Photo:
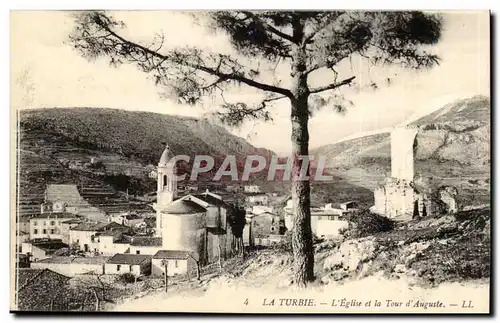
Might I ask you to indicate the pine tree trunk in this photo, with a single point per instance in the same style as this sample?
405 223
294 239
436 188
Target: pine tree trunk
301 233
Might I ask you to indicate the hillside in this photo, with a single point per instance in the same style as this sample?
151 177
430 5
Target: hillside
111 149
453 146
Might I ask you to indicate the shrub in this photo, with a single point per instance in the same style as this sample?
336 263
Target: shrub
285 244
127 278
366 223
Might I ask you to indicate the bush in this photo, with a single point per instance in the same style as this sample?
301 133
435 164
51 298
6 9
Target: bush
366 223
127 278
285 244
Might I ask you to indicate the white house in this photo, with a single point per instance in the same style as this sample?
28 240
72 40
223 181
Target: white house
326 221
137 265
41 248
145 245
178 263
257 198
127 219
112 242
49 225
251 189
153 174
86 236
72 266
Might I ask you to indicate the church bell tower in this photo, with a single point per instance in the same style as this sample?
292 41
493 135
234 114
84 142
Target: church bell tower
167 185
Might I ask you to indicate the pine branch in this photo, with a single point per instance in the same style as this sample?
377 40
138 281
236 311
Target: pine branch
269 27
180 59
332 85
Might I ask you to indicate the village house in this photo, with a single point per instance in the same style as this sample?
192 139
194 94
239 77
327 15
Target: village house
192 188
67 226
145 245
263 226
65 195
49 225
153 174
72 266
327 221
39 249
178 263
22 230
138 265
233 188
257 199
251 189
23 223
86 238
113 241
127 219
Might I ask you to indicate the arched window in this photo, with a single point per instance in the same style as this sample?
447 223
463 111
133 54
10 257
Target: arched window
165 180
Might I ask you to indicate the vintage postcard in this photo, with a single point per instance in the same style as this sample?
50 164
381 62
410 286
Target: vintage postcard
251 161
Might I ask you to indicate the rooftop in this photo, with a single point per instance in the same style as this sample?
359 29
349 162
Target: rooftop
184 207
54 215
71 221
210 199
27 276
75 260
172 254
147 241
90 226
129 259
48 245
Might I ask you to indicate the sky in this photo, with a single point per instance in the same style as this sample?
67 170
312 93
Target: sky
47 72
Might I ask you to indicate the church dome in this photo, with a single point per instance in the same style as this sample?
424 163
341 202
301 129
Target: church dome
183 207
166 156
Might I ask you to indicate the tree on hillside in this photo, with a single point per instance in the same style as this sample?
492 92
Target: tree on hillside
303 42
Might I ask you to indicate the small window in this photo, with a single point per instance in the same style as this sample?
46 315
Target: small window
137 252
118 267
34 223
35 231
176 264
44 222
44 231
52 222
52 231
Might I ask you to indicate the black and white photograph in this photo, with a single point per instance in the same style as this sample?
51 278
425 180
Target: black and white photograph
250 161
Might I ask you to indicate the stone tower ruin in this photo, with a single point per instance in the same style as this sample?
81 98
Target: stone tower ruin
403 146
397 198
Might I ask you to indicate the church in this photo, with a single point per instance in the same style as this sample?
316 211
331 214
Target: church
197 223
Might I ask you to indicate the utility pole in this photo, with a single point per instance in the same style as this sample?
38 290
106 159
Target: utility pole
165 264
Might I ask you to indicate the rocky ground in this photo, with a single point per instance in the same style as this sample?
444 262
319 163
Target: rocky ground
445 257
